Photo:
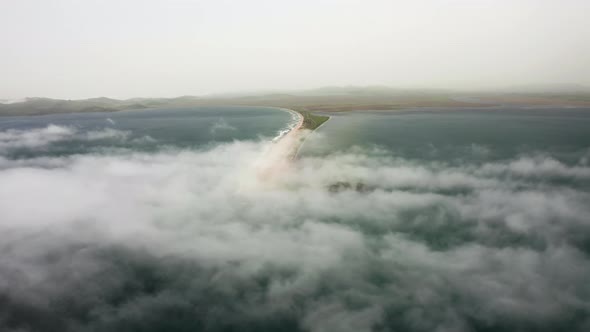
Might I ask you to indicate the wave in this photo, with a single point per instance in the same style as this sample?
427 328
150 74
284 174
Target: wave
295 119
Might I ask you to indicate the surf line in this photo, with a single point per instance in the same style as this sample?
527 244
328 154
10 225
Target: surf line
292 127
284 149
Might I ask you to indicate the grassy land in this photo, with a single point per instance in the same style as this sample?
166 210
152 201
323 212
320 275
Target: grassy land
312 121
321 100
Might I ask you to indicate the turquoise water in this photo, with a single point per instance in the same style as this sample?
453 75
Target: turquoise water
421 220
146 130
457 136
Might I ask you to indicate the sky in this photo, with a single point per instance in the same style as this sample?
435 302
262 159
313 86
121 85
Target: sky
155 48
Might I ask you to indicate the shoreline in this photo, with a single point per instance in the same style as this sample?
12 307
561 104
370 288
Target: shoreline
330 109
286 146
303 142
292 139
295 138
293 128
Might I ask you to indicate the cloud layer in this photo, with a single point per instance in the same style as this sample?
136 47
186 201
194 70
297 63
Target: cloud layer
191 240
39 138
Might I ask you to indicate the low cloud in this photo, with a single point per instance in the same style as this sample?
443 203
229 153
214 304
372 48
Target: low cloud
38 138
198 240
541 167
221 125
17 138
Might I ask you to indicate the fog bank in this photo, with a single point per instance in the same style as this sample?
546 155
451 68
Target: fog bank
356 241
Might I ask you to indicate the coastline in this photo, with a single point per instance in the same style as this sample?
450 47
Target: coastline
303 142
296 126
292 141
284 148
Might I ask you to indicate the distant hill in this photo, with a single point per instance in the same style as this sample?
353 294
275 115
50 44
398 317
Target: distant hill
548 89
331 99
37 106
40 106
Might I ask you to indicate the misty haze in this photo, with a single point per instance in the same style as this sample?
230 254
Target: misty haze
294 165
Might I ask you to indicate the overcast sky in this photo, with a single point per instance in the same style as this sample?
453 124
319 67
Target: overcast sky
149 48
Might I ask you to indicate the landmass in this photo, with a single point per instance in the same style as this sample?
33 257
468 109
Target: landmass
329 99
312 121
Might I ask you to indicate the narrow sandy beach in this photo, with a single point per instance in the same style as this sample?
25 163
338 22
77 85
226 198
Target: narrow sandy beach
294 138
283 151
